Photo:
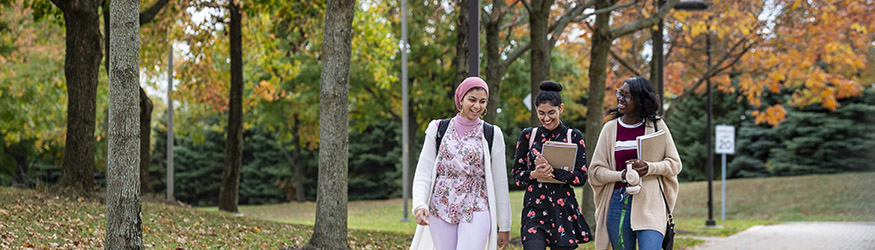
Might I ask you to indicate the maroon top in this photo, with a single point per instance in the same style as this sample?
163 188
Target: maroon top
626 147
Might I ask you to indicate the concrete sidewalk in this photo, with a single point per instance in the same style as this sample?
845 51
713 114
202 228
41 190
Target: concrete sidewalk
799 235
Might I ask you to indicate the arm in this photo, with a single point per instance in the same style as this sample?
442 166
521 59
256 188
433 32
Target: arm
521 172
499 177
601 172
422 181
577 176
671 165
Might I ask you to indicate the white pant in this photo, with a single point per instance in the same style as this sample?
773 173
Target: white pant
462 236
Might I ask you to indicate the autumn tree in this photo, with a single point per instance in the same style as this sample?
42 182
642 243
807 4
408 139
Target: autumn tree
124 222
602 37
31 52
331 213
82 63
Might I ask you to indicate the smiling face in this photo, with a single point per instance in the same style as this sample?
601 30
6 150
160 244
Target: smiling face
548 114
474 103
625 103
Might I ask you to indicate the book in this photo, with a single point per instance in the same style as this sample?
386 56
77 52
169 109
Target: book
560 155
651 147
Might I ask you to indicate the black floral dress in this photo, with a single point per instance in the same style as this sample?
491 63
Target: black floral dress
550 211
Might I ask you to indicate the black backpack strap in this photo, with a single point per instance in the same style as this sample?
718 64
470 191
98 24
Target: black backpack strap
442 129
488 133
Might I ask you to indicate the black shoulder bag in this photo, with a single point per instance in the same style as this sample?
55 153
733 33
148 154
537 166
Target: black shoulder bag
668 240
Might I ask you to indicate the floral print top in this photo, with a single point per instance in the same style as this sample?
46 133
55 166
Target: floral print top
460 185
550 211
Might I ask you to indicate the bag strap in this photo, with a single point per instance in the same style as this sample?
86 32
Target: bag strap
568 135
488 132
670 218
442 129
532 137
655 127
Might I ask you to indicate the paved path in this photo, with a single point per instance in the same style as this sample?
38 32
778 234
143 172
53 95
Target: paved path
800 235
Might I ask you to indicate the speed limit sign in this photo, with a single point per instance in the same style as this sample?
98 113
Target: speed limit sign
725 139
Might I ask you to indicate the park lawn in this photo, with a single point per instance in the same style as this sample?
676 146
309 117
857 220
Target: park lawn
40 220
37 219
755 201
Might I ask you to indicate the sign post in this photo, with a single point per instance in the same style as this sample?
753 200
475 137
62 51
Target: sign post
725 144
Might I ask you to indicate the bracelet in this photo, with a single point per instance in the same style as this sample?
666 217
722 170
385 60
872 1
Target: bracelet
623 176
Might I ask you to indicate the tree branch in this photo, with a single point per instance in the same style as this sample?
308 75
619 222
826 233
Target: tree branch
61 4
638 25
560 24
711 72
150 13
528 7
624 63
516 22
515 54
610 9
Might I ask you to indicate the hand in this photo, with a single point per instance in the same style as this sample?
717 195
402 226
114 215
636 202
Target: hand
542 167
503 239
421 216
639 166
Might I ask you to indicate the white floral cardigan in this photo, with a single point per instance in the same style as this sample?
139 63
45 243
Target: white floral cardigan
496 187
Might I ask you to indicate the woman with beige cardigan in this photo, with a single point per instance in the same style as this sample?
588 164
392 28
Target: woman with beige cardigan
627 191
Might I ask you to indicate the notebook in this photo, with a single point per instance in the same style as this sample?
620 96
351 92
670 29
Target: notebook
560 155
651 147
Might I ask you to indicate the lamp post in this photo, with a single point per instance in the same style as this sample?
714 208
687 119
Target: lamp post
405 117
691 5
473 37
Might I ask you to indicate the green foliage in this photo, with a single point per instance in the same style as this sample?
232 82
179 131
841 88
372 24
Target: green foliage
815 140
266 175
32 86
374 162
688 126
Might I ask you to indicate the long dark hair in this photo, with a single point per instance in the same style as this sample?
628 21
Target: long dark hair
549 93
646 100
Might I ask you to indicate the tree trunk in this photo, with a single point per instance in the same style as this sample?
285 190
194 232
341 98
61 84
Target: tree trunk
145 103
123 215
81 65
330 230
297 167
234 141
461 59
539 20
494 67
145 139
601 45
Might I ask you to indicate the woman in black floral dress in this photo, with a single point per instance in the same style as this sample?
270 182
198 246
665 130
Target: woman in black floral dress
550 216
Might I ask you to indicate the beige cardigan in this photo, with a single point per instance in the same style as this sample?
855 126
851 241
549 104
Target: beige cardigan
496 187
648 208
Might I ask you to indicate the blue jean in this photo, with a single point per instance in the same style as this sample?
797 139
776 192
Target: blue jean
647 239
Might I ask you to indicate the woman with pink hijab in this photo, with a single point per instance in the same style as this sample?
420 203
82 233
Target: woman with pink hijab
460 192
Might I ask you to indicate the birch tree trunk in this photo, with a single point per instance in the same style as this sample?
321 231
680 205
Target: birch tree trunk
123 221
330 230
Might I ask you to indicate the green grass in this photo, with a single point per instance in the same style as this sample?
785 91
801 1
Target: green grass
762 201
41 220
